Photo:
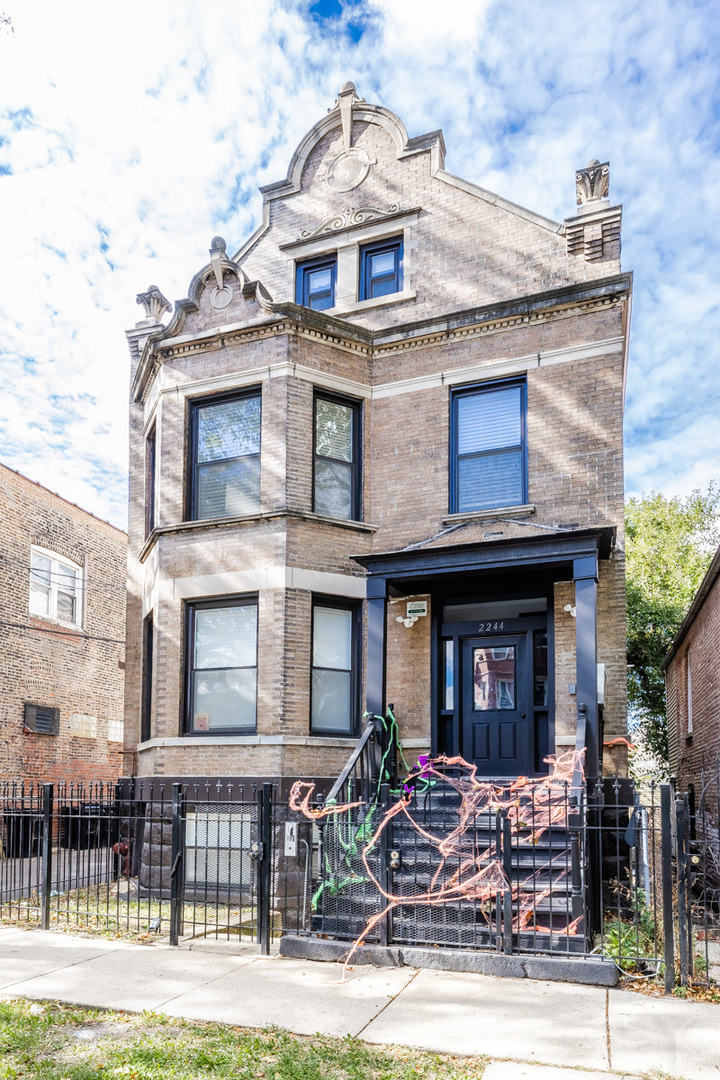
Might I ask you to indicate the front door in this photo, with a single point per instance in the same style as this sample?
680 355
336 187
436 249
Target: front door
496 705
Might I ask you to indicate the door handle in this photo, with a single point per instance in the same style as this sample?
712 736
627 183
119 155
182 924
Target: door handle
522 715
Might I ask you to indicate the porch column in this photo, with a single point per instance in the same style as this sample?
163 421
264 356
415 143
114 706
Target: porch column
375 671
585 573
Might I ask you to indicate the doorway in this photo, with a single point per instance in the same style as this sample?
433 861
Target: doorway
495 684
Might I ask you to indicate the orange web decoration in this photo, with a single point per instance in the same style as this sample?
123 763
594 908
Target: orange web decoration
466 870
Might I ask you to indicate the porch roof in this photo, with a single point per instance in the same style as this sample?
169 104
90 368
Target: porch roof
554 554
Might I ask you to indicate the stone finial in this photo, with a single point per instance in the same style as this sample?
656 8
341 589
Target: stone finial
221 295
593 182
154 302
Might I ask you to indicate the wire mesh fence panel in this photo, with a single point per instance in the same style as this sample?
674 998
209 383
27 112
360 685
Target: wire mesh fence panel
630 829
703 877
345 900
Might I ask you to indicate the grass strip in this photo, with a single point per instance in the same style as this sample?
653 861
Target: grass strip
49 1041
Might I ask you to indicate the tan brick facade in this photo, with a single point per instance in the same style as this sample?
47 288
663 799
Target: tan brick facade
75 668
490 292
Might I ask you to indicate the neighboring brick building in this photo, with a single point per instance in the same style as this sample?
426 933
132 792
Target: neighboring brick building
403 389
692 681
63 628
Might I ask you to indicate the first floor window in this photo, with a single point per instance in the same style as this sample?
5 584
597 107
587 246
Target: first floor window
381 269
488 447
147 677
334 690
337 458
225 452
55 587
222 666
315 283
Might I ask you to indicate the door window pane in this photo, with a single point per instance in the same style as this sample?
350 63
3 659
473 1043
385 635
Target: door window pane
494 679
449 688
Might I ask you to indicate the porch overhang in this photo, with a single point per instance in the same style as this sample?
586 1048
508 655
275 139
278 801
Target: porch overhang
420 568
560 556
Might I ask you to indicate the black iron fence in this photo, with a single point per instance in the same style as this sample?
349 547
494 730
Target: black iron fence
627 872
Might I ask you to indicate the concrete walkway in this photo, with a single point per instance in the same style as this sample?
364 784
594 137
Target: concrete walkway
531 1030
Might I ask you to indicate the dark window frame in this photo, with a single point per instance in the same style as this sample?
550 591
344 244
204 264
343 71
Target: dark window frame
147 678
302 279
150 477
365 282
356 508
41 719
191 607
193 426
456 395
355 607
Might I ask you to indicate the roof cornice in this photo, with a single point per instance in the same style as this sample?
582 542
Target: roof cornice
295 320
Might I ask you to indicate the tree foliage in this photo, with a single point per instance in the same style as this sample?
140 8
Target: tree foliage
669 546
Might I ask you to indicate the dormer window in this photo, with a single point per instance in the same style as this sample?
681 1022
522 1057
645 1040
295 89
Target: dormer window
315 286
381 269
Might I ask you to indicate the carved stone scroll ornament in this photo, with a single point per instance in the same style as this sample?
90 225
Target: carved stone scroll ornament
350 167
154 303
593 182
352 215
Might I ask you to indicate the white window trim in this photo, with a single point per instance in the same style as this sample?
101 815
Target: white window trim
345 245
51 615
689 696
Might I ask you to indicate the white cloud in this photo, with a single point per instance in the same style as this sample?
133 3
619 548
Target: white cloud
132 134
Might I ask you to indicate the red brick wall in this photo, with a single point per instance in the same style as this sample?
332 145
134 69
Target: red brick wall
77 670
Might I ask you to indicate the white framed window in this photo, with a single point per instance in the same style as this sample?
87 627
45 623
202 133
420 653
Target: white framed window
56 587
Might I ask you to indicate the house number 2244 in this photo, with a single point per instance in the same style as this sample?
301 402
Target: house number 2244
486 627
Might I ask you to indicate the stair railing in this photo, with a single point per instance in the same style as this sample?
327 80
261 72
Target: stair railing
359 778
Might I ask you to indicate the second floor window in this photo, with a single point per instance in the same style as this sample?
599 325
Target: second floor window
488 468
55 587
225 451
315 284
150 463
381 269
337 458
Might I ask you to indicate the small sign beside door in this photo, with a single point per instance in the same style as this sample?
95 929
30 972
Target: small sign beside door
291 839
416 609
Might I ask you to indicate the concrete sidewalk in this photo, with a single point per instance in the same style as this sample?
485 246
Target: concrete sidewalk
546 1029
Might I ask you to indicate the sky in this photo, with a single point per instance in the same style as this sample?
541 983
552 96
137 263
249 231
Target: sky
131 134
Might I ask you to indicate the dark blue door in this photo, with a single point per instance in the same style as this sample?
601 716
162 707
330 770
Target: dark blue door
496 707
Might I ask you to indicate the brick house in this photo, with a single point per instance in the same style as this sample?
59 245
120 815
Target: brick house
63 629
693 699
376 456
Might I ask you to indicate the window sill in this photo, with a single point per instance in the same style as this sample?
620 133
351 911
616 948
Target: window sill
375 302
244 519
48 620
331 741
485 515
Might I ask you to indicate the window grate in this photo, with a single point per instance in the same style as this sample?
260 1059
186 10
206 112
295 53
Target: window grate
42 719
